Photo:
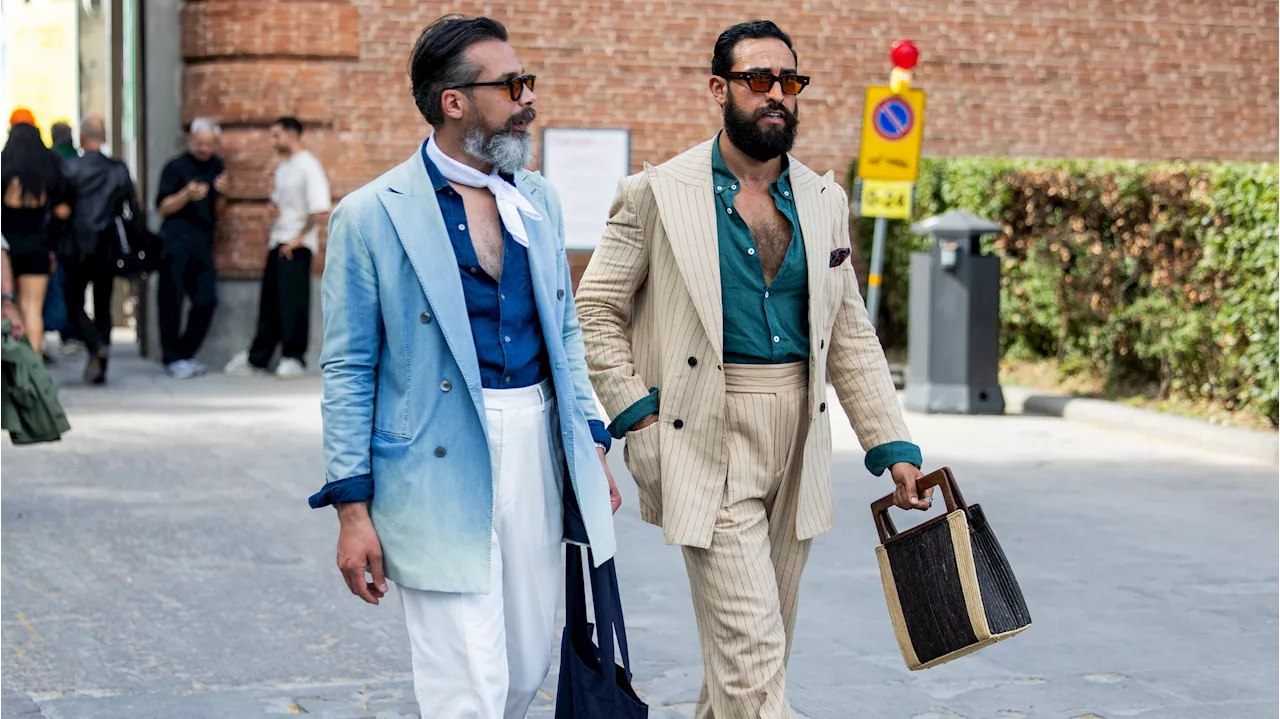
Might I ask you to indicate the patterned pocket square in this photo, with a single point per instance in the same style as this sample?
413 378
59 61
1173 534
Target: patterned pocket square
839 256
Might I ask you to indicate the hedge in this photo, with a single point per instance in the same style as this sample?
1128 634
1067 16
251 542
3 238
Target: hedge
1153 274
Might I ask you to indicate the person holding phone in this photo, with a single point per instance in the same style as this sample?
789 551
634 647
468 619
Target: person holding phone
190 198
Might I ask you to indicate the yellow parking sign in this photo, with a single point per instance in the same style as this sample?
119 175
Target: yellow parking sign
885 198
892 127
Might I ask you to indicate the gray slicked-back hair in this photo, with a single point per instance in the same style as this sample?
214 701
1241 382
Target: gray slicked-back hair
204 124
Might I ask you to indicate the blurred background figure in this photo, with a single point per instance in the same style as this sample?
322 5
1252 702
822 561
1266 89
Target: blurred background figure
56 317
190 198
34 190
103 189
300 198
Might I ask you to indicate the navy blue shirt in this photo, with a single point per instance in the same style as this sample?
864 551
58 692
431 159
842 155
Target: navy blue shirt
504 317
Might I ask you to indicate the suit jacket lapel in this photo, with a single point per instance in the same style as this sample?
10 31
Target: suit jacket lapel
813 207
685 197
411 203
543 247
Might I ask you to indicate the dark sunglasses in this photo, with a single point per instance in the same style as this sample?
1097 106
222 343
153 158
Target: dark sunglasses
515 86
762 82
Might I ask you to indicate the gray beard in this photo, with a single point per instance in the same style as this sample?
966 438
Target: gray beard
504 151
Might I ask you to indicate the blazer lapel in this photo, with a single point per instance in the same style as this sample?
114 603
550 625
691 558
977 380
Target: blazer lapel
683 190
410 201
542 250
813 207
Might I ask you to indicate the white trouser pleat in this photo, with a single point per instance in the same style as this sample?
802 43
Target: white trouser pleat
483 656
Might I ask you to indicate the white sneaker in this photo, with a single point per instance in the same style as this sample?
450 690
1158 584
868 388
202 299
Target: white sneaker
290 368
199 368
239 366
181 369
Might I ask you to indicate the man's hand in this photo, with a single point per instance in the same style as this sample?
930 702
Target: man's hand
358 548
905 477
220 184
615 499
645 421
196 190
17 330
286 250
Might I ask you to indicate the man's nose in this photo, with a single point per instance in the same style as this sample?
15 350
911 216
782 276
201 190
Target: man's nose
775 92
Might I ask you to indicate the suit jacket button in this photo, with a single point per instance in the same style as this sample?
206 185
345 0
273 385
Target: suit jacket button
560 294
693 361
822 407
440 451
678 424
425 317
445 386
822 344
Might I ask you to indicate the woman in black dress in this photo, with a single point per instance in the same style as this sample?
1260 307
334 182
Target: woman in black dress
34 190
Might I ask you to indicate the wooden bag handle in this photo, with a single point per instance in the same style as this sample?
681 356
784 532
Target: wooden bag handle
942 478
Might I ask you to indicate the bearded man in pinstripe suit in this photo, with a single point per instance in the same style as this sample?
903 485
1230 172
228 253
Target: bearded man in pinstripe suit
715 310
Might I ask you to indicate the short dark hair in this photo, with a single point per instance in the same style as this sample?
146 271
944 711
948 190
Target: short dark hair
722 58
288 122
437 62
60 133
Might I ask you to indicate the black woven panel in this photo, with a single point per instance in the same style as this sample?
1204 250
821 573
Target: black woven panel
928 583
1001 597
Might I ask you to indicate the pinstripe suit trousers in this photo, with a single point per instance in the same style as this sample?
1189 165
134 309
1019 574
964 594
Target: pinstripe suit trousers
746 584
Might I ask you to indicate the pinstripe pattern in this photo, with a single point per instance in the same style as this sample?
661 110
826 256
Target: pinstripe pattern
650 300
746 584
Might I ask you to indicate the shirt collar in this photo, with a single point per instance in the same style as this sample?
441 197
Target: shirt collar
726 181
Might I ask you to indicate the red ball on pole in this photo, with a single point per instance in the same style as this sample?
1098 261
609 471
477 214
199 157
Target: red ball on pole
904 54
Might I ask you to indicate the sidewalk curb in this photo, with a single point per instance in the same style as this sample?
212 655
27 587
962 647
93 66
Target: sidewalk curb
1253 445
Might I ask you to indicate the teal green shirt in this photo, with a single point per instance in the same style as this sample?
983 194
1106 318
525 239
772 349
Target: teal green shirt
764 323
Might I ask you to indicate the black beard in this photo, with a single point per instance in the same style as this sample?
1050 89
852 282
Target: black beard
762 145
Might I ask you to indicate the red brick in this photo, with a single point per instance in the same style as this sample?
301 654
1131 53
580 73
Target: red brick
1140 79
316 28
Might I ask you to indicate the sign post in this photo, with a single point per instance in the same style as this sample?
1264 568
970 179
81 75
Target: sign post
889 157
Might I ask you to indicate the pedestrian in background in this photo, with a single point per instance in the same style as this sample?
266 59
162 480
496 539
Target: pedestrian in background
190 197
56 317
34 190
103 193
300 198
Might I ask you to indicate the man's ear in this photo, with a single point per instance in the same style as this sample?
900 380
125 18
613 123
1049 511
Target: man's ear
719 89
453 102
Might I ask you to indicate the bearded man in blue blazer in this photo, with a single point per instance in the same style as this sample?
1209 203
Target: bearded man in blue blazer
462 440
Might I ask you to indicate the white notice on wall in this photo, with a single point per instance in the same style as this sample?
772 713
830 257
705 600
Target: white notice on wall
585 166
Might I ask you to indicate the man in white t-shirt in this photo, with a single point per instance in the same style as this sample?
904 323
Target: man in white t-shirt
301 198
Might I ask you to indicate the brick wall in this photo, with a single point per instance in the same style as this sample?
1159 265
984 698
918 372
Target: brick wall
1145 79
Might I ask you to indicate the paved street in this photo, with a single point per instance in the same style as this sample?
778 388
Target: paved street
161 562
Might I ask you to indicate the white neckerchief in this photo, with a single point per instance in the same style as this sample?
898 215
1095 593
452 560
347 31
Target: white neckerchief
510 202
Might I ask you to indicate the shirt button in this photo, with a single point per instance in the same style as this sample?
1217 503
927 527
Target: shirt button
506 379
733 187
502 297
506 339
425 317
751 250
786 193
719 188
472 270
777 338
766 295
462 227
440 451
729 210
445 386
560 294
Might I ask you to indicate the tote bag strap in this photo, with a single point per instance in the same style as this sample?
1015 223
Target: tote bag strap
609 621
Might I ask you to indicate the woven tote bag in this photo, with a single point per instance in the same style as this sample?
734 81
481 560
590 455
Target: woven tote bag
947 582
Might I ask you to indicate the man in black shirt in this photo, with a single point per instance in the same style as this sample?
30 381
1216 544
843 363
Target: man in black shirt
190 199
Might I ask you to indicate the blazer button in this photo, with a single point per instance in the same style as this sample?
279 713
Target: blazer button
445 386
822 344
560 294
678 424
425 317
822 407
693 361
440 451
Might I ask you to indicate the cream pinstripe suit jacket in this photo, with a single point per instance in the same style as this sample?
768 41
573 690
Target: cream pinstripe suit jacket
650 300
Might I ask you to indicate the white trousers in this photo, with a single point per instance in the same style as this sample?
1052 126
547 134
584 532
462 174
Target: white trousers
483 656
